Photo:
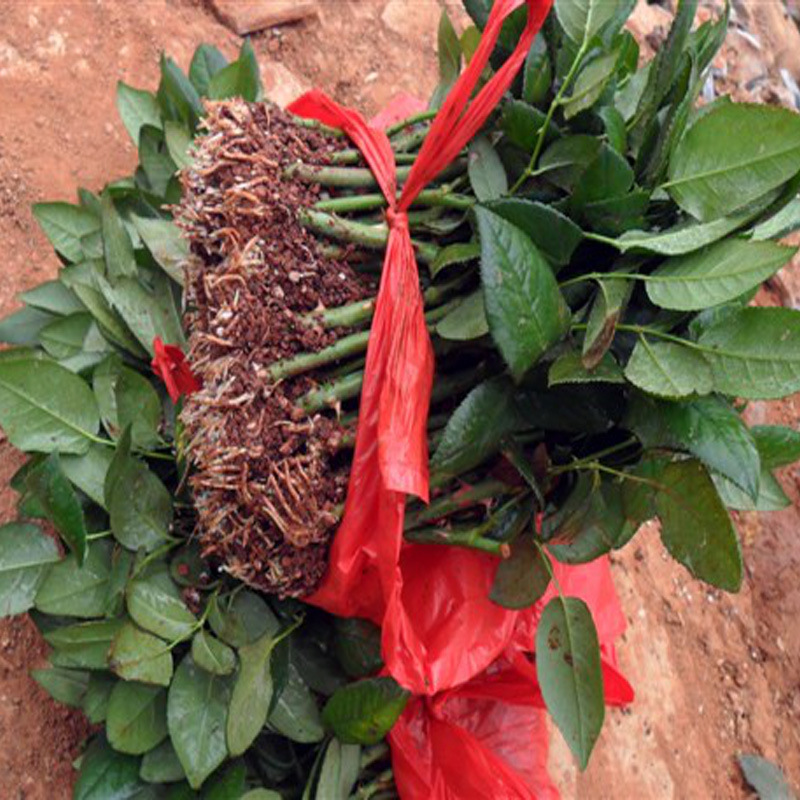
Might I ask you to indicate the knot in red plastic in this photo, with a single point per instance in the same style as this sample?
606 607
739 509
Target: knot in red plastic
396 219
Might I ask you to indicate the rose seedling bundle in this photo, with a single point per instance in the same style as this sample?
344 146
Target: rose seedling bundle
208 549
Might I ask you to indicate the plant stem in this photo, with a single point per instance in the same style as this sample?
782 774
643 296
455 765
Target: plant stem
455 501
471 538
346 157
602 276
414 119
329 394
608 451
338 177
370 202
573 70
373 237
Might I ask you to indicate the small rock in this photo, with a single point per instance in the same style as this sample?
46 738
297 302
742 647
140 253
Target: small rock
249 17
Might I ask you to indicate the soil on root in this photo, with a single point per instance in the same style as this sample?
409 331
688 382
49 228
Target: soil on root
266 477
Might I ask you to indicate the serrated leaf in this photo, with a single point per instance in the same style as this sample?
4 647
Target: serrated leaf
590 84
695 527
582 20
26 553
163 239
159 610
137 108
197 711
364 712
524 307
487 175
161 765
77 591
570 675
44 407
523 577
73 231
49 485
477 427
668 369
715 275
139 656
733 155
755 353
84 645
570 368
521 124
708 428
136 720
537 74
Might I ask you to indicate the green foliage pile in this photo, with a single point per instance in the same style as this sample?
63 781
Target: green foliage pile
607 239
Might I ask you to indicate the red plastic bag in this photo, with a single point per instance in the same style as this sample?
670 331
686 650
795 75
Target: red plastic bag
457 632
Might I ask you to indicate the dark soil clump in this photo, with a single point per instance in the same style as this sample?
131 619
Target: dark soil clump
265 486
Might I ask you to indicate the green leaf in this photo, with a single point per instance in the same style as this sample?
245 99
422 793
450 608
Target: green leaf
159 610
26 553
261 794
88 471
570 368
459 253
242 619
24 326
139 656
176 95
252 695
777 445
733 155
615 130
786 221
95 701
567 158
70 336
708 428
340 770
466 321
524 308
771 496
239 79
765 778
364 712
125 397
358 646
294 713
44 407
67 686
523 578
570 676
73 231
179 140
137 717
606 179
610 303
715 275
117 245
487 175
107 775
521 124
687 237
84 645
582 20
477 427
590 84
206 63
162 765
212 655
163 239
695 527
668 369
554 234
155 159
53 297
54 493
449 50
139 505
137 108
537 75
71 590
755 353
197 711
